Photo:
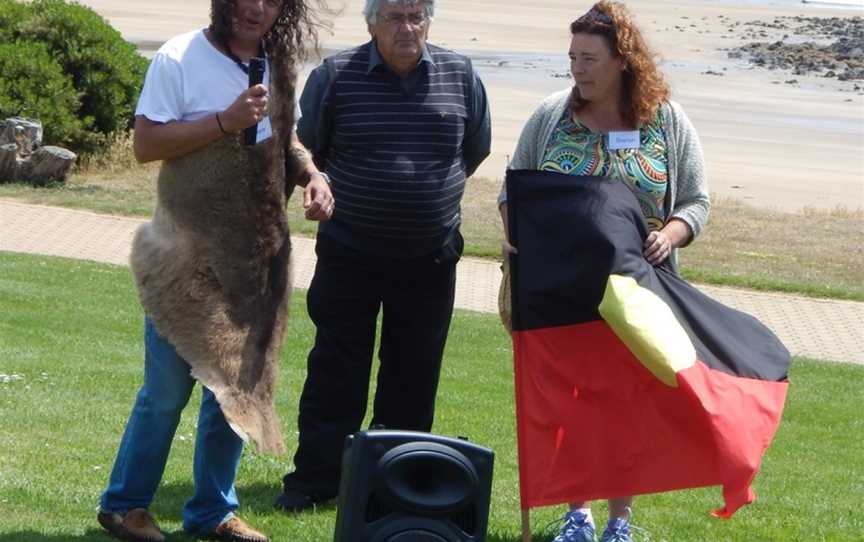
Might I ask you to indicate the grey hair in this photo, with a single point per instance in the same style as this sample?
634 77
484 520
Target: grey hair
370 10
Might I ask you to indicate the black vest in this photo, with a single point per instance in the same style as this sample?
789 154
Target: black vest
395 159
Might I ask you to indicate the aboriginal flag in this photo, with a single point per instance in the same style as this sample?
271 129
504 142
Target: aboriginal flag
628 380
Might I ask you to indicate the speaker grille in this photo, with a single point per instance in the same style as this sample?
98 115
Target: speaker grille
416 536
400 486
376 509
466 520
427 478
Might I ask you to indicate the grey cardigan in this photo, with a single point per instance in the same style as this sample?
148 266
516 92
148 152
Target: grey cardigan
687 190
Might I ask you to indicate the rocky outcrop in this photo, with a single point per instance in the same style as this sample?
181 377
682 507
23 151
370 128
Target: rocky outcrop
831 47
23 158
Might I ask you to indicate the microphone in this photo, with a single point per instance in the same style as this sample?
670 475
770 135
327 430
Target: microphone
256 76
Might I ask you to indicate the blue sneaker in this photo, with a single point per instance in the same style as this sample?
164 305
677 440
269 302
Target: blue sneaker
576 528
617 530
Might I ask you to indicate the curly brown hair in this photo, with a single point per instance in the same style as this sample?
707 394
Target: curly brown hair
295 30
644 87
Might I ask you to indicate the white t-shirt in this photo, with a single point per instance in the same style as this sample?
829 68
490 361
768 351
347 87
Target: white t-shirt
189 79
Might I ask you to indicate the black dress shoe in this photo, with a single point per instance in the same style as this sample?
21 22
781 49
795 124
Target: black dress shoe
294 500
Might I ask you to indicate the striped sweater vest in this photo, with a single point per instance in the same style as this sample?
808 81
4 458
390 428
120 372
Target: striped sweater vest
395 160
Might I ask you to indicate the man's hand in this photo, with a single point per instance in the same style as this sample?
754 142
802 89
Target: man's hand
318 199
247 110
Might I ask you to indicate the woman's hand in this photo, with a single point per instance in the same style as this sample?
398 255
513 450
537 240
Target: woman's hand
659 244
507 249
657 247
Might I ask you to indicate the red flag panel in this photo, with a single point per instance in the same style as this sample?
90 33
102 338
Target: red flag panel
594 423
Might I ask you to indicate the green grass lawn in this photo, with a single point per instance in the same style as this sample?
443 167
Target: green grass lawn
72 331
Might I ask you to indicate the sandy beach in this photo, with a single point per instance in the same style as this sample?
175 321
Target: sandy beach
771 137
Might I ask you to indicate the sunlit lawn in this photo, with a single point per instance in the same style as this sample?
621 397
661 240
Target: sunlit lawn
70 360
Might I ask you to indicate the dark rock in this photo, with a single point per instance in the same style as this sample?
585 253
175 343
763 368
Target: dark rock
46 165
857 52
851 74
8 162
22 158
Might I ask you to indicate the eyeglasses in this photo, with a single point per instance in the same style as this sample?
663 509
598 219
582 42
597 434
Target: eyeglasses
398 19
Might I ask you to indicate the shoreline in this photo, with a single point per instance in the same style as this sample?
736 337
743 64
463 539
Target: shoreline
771 138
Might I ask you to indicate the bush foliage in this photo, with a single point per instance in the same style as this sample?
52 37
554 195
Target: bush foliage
49 40
34 86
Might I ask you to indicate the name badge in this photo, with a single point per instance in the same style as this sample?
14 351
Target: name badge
265 129
623 140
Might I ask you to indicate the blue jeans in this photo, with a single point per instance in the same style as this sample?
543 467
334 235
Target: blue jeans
147 440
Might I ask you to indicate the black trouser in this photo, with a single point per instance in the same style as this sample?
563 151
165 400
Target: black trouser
346 293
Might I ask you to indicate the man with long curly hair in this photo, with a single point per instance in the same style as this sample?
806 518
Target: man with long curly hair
213 266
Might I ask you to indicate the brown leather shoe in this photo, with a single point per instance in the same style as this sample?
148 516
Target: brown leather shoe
136 526
236 530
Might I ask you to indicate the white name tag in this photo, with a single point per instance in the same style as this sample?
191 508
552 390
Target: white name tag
623 140
265 129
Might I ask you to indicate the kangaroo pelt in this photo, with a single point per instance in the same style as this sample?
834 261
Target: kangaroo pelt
213 272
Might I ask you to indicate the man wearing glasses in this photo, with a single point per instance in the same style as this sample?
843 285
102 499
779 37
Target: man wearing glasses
398 125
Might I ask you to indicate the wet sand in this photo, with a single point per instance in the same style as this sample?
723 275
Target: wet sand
771 138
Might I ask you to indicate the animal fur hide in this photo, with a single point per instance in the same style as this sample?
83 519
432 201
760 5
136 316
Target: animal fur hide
213 273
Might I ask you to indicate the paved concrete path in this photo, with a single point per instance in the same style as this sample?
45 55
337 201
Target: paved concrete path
817 328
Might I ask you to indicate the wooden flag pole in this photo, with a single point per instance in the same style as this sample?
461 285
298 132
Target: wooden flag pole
526 525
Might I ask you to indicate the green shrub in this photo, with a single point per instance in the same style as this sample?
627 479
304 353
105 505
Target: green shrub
33 85
104 69
11 13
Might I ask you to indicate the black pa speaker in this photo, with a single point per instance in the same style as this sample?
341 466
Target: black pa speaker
403 486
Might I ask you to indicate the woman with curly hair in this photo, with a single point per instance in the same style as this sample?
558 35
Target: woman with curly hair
213 266
617 121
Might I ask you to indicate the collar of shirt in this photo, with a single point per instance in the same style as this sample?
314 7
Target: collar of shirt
375 59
